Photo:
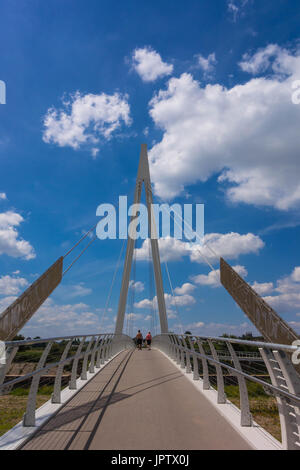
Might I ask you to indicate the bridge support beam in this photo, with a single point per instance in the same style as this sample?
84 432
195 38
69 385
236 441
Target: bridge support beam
143 176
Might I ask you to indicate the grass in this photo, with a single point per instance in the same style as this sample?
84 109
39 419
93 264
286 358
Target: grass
263 407
13 405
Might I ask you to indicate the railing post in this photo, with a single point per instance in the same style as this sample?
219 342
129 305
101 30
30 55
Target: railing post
100 359
29 416
206 383
4 368
292 380
85 359
287 416
56 397
182 364
246 418
173 348
196 365
188 367
105 347
73 380
110 347
220 378
92 363
177 351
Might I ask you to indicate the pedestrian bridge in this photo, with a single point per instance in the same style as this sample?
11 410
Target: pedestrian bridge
187 392
170 397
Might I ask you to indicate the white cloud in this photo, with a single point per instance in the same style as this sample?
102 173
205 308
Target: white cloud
263 288
178 300
3 196
6 301
74 290
236 7
149 65
86 120
146 303
228 245
295 276
10 244
247 135
52 319
94 152
138 286
284 302
212 279
207 64
133 316
171 315
186 288
12 285
286 294
270 57
170 249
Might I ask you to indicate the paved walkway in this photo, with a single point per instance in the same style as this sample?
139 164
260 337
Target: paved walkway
138 401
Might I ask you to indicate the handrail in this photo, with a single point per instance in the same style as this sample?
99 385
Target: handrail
99 349
283 347
285 381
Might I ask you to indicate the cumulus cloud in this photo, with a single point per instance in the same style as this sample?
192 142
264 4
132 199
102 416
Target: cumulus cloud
170 249
207 65
212 279
186 288
3 196
12 285
263 288
270 57
228 245
86 120
149 65
286 294
138 286
52 318
247 136
295 276
10 243
178 300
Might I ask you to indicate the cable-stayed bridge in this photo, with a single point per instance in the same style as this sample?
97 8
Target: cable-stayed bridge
187 392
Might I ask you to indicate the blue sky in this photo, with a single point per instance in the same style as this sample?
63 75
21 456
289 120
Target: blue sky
208 86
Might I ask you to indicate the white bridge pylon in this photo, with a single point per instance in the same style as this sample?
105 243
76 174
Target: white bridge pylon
143 176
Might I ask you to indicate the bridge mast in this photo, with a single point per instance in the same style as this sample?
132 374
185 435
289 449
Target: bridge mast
143 176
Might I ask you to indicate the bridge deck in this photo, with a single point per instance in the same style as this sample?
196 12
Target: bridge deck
140 400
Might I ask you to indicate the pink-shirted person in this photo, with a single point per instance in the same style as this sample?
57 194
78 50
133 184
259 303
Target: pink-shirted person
149 339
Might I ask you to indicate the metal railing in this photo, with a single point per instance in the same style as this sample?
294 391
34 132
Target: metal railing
80 354
199 354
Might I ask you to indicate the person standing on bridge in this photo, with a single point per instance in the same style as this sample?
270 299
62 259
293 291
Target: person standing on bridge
149 339
139 340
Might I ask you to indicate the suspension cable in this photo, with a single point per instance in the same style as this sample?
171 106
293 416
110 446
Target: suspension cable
112 284
153 313
197 247
81 239
176 306
80 254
